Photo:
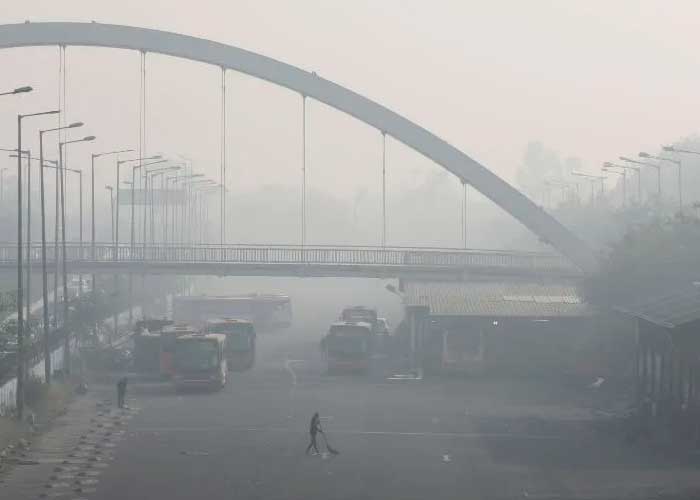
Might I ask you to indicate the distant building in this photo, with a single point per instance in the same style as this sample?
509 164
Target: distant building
517 327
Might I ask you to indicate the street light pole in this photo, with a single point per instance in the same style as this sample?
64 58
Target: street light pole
80 232
20 291
133 183
92 200
150 176
608 167
44 274
2 184
66 336
118 188
680 174
646 164
111 218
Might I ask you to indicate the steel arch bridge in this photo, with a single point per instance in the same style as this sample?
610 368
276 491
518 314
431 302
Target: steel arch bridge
311 85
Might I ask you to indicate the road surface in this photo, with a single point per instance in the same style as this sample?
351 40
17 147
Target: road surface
398 439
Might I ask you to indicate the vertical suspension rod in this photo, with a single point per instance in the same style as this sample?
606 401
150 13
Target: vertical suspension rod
303 170
383 189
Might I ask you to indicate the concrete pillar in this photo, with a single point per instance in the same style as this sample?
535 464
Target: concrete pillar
418 317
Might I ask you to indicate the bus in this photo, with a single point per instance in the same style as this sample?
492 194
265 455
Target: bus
148 352
265 311
240 341
347 346
199 360
168 336
360 313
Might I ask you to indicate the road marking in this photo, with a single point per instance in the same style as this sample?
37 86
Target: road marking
350 432
446 459
288 366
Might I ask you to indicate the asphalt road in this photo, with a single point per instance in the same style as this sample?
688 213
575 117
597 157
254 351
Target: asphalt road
398 439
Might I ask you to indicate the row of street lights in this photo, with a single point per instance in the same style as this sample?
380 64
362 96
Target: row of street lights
148 175
634 165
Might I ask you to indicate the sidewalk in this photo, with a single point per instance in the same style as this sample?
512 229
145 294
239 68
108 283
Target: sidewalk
66 460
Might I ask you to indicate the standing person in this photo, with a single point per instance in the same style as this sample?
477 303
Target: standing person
121 392
314 429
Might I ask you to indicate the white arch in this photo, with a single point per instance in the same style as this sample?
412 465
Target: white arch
311 85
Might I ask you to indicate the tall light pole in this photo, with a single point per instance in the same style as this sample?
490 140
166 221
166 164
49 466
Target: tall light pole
591 178
44 274
20 301
111 210
117 184
155 173
610 168
625 168
2 184
66 336
28 283
647 164
93 157
680 176
133 184
111 218
149 175
187 180
167 208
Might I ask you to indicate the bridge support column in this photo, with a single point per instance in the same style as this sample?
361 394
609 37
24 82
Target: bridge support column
418 326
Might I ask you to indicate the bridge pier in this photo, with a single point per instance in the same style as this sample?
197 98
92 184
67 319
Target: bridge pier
418 317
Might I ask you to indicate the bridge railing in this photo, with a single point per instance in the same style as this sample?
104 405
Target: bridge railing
291 254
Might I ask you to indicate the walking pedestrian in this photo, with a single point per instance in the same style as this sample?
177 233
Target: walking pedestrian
314 429
121 391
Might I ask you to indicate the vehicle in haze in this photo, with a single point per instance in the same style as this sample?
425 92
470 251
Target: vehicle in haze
149 355
168 336
347 346
382 327
360 314
240 341
199 361
265 311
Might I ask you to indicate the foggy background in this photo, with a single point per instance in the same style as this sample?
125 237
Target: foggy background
441 64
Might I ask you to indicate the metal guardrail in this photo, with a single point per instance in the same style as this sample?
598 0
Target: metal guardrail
280 254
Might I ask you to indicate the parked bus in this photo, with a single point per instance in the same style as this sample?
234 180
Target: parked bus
148 352
240 341
265 311
168 336
360 314
347 346
199 360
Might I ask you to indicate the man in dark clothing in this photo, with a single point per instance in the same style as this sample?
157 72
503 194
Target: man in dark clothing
314 429
121 392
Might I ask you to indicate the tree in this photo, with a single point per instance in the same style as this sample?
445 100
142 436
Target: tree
654 256
539 164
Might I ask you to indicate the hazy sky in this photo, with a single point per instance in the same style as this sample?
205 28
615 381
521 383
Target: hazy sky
592 79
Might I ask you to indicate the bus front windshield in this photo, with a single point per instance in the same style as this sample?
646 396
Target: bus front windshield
238 337
196 355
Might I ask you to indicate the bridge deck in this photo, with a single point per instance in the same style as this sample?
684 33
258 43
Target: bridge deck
278 260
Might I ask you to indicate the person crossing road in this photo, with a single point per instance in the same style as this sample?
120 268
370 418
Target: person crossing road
314 429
